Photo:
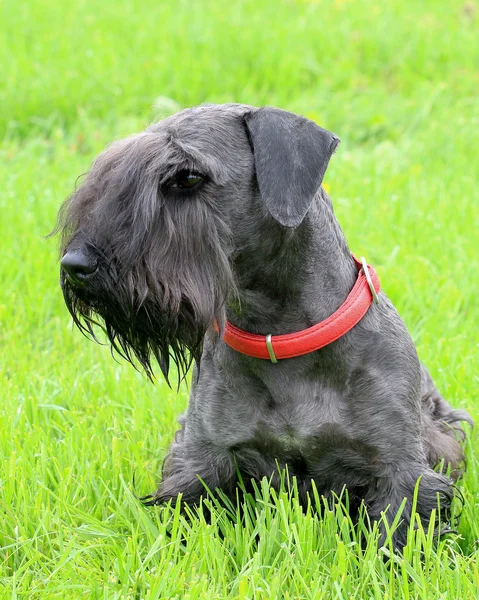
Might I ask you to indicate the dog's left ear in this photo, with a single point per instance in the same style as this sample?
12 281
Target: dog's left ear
291 155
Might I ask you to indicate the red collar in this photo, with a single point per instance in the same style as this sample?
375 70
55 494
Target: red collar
277 347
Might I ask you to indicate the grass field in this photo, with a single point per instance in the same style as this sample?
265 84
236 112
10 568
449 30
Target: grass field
82 434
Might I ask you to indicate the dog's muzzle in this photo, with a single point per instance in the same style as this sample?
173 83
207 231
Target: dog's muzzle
78 267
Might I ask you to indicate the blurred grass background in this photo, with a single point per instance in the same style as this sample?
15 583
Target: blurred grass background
398 82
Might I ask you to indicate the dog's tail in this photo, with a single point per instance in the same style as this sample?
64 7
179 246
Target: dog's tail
443 429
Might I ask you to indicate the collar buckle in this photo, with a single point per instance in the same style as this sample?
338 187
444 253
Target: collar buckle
269 346
365 269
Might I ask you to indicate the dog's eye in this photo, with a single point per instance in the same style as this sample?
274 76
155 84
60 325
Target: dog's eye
186 180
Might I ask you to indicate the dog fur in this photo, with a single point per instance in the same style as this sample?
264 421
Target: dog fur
255 242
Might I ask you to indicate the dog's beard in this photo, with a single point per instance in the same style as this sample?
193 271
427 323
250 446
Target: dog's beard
163 271
144 328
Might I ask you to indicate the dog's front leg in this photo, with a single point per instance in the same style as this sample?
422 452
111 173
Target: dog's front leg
417 486
191 468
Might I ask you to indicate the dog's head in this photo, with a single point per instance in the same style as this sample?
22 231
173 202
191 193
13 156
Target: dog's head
148 237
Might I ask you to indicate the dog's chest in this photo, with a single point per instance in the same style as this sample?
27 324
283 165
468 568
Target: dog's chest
293 427
281 410
306 432
286 416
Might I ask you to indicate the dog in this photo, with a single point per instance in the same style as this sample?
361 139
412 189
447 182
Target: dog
208 239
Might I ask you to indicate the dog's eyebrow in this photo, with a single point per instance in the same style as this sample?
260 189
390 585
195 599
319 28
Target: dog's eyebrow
196 159
170 171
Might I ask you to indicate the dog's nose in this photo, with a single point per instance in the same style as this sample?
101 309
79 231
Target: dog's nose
78 266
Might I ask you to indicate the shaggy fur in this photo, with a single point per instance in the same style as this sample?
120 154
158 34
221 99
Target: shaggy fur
254 240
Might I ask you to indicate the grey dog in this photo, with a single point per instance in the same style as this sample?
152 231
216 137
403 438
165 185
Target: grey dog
217 215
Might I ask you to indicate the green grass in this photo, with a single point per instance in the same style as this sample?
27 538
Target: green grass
82 434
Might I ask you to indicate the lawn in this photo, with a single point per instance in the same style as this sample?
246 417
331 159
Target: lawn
82 435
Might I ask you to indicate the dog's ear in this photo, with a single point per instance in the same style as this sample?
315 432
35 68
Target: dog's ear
291 155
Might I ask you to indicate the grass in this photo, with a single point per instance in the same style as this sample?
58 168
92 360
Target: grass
81 433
